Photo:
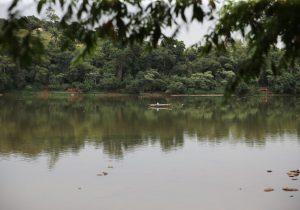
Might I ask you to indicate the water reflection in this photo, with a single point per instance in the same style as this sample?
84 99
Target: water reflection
33 126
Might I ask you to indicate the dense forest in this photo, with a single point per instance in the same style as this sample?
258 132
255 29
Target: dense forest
171 67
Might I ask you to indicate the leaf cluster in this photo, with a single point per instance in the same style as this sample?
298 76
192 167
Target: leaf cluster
264 25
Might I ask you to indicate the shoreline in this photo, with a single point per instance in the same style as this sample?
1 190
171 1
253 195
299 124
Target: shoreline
46 94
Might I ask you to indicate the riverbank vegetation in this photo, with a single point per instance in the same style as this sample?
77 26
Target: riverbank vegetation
171 67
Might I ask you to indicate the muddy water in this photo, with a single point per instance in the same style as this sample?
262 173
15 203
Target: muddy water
200 154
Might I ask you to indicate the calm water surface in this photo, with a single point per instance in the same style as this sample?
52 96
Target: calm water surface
199 155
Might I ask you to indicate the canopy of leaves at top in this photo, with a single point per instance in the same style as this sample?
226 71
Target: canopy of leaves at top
263 24
127 21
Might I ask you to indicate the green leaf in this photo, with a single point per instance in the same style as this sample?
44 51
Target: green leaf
40 5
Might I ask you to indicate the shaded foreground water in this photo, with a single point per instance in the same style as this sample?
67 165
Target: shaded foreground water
199 155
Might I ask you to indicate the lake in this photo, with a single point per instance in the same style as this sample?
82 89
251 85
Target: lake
199 154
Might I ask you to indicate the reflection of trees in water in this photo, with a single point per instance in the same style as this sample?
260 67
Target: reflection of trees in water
31 127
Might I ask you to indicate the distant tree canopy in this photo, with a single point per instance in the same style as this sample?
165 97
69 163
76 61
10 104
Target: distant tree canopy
263 24
170 67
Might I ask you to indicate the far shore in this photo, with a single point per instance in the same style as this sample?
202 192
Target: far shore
100 93
196 95
46 94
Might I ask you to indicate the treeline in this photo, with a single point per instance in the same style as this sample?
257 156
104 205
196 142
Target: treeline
170 68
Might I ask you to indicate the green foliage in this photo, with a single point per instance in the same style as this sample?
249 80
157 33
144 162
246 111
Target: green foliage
263 24
5 81
170 68
176 87
243 89
128 21
203 80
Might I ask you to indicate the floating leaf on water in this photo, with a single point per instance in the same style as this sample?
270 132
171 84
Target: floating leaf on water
268 189
289 189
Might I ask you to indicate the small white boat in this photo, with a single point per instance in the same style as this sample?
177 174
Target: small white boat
159 108
159 105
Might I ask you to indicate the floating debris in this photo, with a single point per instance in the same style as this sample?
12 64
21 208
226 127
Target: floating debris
269 171
291 196
79 188
289 189
102 174
293 173
294 179
110 167
268 189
